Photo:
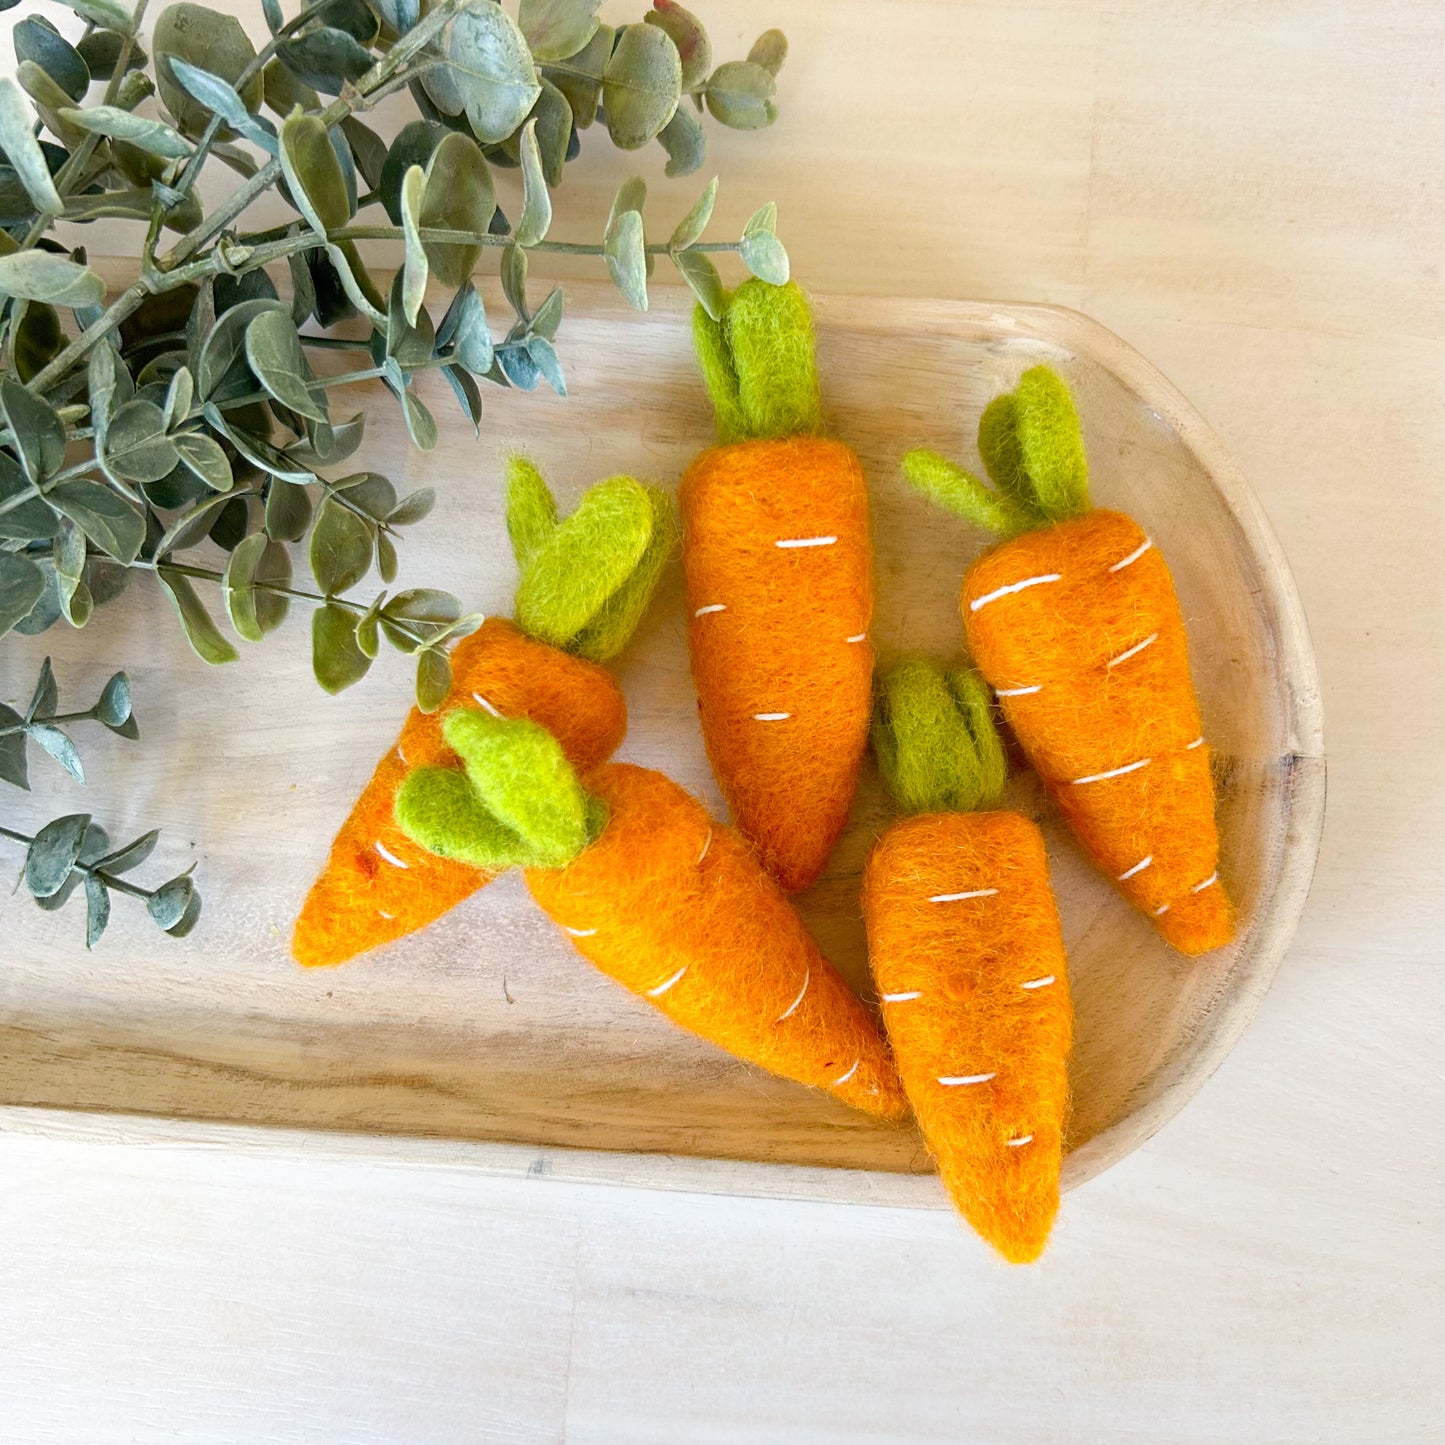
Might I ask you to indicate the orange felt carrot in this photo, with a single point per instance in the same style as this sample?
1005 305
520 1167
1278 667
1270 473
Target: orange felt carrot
1075 623
674 907
585 583
966 952
779 587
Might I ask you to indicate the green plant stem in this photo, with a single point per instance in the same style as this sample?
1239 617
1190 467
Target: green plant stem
316 599
86 870
63 717
127 302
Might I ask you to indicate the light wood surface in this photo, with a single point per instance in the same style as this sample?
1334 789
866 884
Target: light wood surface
489 1026
1250 196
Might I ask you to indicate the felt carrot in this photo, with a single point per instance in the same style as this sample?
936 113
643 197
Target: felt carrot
584 585
779 586
1074 621
964 943
673 906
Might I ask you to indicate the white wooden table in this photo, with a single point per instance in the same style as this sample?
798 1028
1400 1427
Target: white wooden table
1252 196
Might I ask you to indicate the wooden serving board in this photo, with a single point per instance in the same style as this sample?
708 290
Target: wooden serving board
488 1028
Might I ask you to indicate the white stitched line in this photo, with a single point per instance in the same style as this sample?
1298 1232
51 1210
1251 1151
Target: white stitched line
951 1081
389 855
402 756
955 897
843 1079
1137 648
390 917
1197 743
857 637
806 542
1208 883
1114 772
1139 867
484 703
706 844
1133 556
1043 982
662 988
1013 587
771 716
1017 691
580 932
807 978
711 607
912 994
1021 1141
1163 908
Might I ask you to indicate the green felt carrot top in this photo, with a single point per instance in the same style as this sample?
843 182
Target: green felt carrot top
1033 449
586 581
935 739
759 363
516 803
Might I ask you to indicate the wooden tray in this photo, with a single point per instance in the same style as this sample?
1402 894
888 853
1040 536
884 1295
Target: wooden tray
488 1028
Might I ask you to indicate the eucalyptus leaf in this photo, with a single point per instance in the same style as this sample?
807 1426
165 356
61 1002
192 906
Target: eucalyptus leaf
255 567
107 13
35 338
690 229
700 273
641 85
386 566
420 423
179 396
217 95
40 276
50 101
412 508
273 349
740 95
137 448
433 678
686 32
68 558
548 316
192 527
287 511
544 357
514 279
201 632
205 458
188 920
208 41
622 248
401 15
685 143
414 266
47 611
97 909
555 29
53 852
113 707
580 80
101 51
22 584
770 50
458 195
36 39
313 173
325 58
221 369
14 765
336 659
38 432
115 525
60 747
518 367
464 328
46 695
30 520
413 146
167 906
27 160
368 148
275 17
536 214
492 70
131 856
763 254
553 118
341 548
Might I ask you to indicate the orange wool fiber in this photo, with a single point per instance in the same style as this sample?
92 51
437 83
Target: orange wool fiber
677 909
378 885
780 599
1077 627
975 994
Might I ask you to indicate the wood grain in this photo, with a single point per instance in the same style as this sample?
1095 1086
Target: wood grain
488 1027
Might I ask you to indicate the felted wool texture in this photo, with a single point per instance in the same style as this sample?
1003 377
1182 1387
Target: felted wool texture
759 364
935 739
778 634
612 625
676 909
1091 666
975 996
363 899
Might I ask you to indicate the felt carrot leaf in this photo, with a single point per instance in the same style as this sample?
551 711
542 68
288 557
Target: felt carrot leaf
779 585
439 808
531 509
613 623
966 951
1074 621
